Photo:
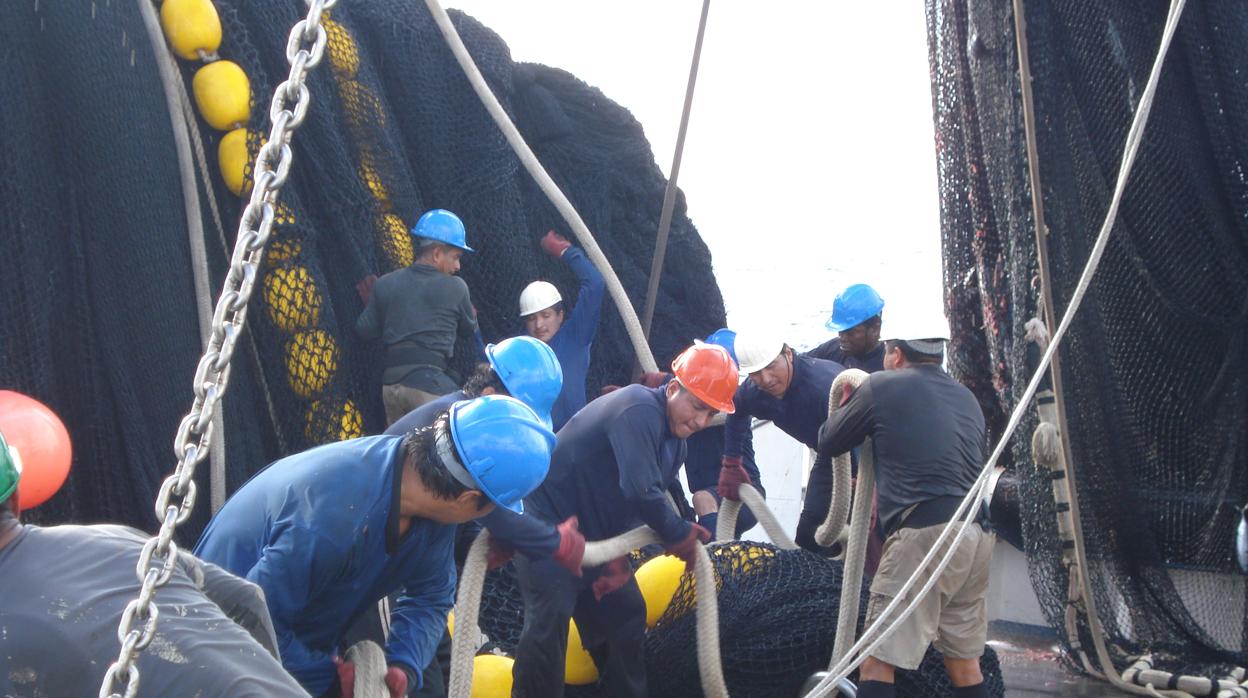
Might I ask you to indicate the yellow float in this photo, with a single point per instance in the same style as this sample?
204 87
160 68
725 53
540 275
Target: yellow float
491 676
311 359
223 95
291 298
192 27
579 668
658 579
233 158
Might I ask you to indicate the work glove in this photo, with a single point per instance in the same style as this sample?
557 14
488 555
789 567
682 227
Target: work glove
396 681
499 554
687 547
346 677
614 575
608 389
571 546
555 244
847 391
653 379
731 476
364 287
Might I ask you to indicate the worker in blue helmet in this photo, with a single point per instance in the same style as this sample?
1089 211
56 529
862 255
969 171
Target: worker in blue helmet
527 369
419 313
329 532
63 590
856 318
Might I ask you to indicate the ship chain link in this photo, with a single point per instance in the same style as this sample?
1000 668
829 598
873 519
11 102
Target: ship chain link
304 51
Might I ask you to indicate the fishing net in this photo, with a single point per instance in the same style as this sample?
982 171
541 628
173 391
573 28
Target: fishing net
1153 375
99 310
777 618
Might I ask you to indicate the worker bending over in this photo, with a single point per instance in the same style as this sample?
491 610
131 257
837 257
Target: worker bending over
329 532
792 391
611 468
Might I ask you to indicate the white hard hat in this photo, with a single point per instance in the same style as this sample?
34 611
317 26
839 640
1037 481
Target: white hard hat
756 350
926 335
538 295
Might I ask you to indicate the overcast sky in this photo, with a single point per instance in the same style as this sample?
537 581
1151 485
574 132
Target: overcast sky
809 162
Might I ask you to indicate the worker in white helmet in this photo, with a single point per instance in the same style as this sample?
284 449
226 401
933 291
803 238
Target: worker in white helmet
570 334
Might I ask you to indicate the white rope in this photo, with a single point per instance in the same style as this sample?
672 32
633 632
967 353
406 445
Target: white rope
862 649
855 554
726 527
832 529
644 358
468 606
175 96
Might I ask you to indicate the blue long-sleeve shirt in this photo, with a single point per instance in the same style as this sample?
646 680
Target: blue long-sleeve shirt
528 534
318 531
799 413
612 466
575 337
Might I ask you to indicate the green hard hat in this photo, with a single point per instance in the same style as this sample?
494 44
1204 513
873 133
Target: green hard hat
10 470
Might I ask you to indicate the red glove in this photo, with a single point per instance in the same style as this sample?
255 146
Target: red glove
571 546
653 379
731 477
498 555
847 391
687 546
555 244
346 677
364 287
608 389
396 681
615 575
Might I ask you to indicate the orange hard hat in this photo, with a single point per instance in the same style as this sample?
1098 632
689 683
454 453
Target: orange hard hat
707 371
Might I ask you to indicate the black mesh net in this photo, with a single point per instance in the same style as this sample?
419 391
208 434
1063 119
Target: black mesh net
99 316
1157 406
777 618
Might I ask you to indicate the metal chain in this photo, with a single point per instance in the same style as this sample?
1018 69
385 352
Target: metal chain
176 501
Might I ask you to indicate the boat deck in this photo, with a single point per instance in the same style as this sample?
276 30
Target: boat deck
1032 666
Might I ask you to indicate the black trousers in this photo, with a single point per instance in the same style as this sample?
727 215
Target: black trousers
613 630
815 509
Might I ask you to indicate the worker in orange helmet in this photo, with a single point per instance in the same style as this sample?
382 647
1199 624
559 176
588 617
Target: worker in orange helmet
612 466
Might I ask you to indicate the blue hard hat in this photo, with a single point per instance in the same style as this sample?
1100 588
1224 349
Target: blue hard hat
445 227
530 371
503 445
725 338
854 306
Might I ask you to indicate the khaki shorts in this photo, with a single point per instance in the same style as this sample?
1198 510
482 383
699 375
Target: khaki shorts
952 615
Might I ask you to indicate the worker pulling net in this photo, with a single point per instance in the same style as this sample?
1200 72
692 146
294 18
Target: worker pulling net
394 130
777 624
1155 402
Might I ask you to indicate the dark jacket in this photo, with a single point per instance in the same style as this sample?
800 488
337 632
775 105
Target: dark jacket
831 351
418 312
927 432
612 466
575 337
318 531
799 414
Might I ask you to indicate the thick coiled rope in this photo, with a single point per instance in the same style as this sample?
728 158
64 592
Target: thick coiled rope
471 582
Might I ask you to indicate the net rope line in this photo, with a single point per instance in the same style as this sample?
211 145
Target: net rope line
548 186
175 98
1079 588
876 633
305 48
669 192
